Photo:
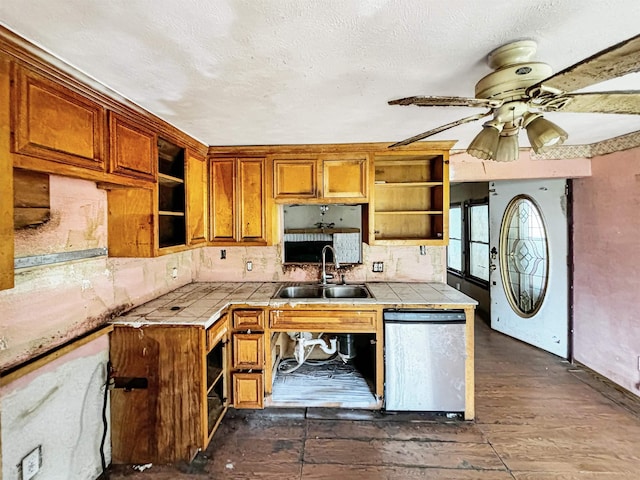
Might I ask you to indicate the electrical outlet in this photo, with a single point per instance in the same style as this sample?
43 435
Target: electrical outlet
174 272
223 254
249 266
378 267
638 362
31 463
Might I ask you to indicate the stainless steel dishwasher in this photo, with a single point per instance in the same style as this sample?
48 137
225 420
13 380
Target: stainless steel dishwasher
424 360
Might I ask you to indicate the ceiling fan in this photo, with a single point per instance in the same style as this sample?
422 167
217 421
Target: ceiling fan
520 90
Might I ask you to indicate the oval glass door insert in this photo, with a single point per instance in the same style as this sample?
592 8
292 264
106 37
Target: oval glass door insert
524 256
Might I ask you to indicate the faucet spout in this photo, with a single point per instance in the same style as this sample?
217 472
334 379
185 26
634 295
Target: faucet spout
326 275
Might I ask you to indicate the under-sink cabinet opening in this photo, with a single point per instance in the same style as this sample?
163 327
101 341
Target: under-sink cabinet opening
316 369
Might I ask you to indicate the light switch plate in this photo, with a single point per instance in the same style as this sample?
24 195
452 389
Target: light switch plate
30 464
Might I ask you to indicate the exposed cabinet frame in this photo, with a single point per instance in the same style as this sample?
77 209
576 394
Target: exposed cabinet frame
6 182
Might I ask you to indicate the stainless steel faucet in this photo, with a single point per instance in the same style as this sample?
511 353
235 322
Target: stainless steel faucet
326 275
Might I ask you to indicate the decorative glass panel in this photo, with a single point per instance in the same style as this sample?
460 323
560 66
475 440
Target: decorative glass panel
524 256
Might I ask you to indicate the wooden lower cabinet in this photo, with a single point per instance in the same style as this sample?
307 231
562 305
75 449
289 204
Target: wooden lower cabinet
248 390
248 358
170 391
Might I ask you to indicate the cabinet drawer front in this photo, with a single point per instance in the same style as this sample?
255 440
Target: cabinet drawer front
248 390
248 351
324 320
248 320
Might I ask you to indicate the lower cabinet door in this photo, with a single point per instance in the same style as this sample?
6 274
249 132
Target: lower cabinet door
248 390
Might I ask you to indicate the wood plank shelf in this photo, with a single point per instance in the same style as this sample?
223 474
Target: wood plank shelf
171 214
163 178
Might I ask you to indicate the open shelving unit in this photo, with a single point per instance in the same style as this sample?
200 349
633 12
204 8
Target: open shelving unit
216 398
410 201
171 195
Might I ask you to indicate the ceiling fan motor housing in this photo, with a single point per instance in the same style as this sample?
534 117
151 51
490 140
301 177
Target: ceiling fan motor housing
511 82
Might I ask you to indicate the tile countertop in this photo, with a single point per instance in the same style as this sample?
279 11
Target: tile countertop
203 303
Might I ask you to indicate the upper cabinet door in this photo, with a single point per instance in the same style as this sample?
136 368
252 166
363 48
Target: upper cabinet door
345 177
133 149
196 198
333 178
251 214
223 200
52 122
294 178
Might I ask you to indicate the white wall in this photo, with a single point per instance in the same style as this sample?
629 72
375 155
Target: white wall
58 408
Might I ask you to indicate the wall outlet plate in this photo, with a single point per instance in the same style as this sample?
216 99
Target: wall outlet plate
378 267
30 464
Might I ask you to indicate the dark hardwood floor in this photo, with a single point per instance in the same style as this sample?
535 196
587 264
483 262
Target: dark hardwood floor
537 417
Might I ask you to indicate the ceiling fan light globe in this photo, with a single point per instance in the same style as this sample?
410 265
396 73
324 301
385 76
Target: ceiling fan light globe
507 150
485 144
544 134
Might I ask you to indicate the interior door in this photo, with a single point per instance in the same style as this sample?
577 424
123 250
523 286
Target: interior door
529 252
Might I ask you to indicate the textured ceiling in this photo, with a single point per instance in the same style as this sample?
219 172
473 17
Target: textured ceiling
319 71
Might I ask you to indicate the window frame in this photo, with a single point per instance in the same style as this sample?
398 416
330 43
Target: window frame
459 205
466 242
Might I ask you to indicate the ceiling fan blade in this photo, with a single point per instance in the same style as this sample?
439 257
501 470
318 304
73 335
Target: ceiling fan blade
439 129
613 62
447 102
625 102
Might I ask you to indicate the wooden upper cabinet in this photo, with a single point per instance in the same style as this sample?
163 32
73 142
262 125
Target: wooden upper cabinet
411 199
132 148
321 178
238 201
197 201
295 178
223 192
251 201
53 122
345 176
6 183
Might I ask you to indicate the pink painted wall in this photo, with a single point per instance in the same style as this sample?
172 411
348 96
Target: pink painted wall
607 262
53 304
401 264
465 168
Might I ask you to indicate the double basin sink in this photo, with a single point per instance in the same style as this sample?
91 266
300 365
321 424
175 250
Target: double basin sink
323 291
